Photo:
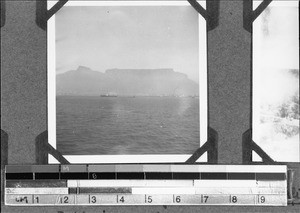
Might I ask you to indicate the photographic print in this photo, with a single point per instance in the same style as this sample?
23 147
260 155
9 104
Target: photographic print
276 81
125 80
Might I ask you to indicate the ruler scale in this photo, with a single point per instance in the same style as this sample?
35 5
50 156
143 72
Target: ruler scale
145 184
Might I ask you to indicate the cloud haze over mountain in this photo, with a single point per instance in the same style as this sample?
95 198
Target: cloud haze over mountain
126 82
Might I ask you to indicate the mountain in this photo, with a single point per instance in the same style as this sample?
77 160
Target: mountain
125 82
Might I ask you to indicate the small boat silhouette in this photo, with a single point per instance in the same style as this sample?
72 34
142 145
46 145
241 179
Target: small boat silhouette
109 95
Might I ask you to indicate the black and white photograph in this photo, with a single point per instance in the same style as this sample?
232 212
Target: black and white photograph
127 79
150 106
276 81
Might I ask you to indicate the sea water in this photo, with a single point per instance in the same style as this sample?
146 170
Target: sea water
127 125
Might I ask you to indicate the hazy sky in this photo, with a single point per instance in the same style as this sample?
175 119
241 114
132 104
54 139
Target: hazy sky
128 37
277 50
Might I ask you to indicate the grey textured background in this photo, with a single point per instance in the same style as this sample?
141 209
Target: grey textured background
229 54
23 81
24 95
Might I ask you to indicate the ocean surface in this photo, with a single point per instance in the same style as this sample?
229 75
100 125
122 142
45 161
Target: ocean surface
127 125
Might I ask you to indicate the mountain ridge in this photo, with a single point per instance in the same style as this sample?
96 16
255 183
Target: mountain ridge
125 82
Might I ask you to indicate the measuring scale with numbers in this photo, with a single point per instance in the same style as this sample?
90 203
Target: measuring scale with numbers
147 184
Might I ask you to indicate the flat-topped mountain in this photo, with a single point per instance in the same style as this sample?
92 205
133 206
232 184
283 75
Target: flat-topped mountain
126 82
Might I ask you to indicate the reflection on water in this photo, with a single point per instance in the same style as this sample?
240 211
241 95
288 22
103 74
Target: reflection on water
124 125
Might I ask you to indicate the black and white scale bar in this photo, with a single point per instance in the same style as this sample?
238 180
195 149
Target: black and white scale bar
74 176
102 175
35 183
185 176
46 176
19 176
147 176
130 175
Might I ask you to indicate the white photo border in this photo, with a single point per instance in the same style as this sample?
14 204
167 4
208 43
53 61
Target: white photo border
148 158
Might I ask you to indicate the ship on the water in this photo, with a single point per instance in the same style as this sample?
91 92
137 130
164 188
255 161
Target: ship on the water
109 95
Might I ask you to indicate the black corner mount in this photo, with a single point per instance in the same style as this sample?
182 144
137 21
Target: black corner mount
43 148
249 145
43 14
249 15
210 146
4 148
211 14
3 13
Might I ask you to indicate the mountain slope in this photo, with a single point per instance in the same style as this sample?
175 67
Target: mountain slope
125 82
